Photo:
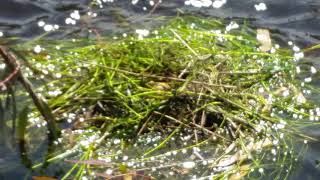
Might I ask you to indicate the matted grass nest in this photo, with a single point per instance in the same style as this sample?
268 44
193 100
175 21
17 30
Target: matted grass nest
192 99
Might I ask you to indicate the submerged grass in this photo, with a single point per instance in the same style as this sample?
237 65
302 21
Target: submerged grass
190 100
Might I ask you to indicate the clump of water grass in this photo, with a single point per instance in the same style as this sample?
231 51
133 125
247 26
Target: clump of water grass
195 98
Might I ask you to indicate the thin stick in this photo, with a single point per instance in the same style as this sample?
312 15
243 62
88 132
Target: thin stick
195 130
242 72
194 117
195 125
10 77
193 52
154 7
185 44
144 125
12 62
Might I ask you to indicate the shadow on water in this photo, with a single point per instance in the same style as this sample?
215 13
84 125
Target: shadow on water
18 153
297 20
309 163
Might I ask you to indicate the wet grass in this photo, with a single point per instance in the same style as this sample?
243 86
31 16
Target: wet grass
190 100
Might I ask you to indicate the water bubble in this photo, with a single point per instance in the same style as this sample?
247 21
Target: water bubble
69 120
109 171
85 143
48 27
295 48
218 3
189 164
313 70
232 25
2 66
41 23
272 50
308 79
116 141
281 135
174 152
70 21
286 93
81 119
37 49
200 3
134 2
261 170
311 118
142 33
56 26
260 7
75 15
125 158
280 126
298 56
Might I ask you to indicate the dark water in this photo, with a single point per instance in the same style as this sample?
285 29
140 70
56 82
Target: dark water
296 20
299 19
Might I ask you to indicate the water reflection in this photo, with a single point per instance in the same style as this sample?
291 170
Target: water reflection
297 18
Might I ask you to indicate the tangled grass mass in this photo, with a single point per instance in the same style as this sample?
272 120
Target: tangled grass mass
193 99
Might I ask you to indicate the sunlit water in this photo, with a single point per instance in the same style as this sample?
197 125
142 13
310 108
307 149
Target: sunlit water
295 20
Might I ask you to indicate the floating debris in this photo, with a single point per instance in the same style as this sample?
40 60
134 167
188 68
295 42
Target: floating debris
263 36
195 98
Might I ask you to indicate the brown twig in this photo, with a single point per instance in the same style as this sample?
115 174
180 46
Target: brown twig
132 175
190 125
13 64
144 125
154 7
195 130
10 77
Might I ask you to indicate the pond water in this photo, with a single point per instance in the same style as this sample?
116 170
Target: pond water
295 20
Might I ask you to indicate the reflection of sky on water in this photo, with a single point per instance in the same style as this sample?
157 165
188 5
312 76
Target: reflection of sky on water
299 18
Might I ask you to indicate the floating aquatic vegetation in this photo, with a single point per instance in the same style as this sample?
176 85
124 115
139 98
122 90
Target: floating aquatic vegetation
193 99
